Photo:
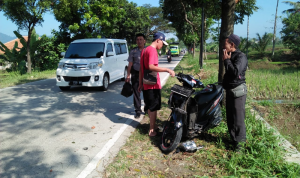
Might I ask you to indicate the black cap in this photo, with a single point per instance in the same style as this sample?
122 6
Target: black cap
235 39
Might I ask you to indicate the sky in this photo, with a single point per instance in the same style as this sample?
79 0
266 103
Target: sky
259 22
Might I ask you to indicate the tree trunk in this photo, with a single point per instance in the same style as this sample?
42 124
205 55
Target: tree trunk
204 42
247 37
274 35
227 26
28 51
193 49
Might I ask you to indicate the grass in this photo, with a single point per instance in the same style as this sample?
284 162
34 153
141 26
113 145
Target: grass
273 81
261 157
14 78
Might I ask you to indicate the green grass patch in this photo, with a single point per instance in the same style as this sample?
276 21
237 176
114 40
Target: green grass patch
271 81
14 78
261 155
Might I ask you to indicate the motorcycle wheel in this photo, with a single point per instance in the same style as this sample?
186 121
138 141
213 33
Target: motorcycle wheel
170 138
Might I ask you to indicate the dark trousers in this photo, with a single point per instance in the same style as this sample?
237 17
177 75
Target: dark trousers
136 93
235 112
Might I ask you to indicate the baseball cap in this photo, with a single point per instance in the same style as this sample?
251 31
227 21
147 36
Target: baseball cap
160 36
235 39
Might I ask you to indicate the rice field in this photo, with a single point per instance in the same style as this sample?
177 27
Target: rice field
280 83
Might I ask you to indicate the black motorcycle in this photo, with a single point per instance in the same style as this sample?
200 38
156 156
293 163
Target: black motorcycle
192 112
169 57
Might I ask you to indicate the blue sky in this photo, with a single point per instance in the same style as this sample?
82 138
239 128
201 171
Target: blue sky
260 22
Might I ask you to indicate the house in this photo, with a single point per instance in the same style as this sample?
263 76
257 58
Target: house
10 45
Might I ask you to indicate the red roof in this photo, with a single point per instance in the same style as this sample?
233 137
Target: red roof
10 45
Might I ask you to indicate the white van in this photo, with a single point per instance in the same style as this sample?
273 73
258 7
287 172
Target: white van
92 63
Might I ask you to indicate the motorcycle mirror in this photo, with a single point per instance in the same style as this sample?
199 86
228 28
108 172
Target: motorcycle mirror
181 69
199 76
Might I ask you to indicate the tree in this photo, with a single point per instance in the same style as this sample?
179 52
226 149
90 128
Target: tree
274 35
291 32
26 14
157 21
244 44
15 56
135 20
294 10
262 43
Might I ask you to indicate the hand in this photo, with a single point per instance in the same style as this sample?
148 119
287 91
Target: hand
127 78
172 73
226 55
140 88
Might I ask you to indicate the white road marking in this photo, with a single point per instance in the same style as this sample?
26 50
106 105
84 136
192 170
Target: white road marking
93 164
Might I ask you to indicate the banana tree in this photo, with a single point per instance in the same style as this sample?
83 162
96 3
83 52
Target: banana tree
15 56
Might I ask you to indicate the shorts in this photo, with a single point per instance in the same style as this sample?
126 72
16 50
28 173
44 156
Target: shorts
152 99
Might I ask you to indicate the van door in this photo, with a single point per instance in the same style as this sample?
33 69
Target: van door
118 64
110 63
124 58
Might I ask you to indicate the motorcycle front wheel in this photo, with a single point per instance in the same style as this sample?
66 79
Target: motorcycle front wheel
170 138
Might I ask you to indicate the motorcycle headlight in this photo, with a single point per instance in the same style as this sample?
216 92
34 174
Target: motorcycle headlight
61 65
95 65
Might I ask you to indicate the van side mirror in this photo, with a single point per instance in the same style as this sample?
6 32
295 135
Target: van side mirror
62 54
110 53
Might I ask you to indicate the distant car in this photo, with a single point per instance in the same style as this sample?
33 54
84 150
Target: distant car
92 63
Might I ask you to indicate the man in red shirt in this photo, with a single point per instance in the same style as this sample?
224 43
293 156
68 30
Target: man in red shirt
152 93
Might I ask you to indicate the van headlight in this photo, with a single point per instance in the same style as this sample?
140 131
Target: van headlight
95 65
61 65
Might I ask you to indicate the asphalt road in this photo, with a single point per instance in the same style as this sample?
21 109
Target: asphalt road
45 132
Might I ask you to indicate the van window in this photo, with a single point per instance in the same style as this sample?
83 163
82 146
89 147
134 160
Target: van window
85 50
123 48
109 48
117 48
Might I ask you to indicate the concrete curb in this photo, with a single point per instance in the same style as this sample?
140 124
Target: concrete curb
291 153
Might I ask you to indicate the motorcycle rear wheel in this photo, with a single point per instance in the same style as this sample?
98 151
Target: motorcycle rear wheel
170 138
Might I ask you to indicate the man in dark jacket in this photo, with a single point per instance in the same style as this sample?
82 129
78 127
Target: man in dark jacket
235 63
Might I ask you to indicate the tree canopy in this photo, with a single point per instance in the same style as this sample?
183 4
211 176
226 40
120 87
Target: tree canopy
26 15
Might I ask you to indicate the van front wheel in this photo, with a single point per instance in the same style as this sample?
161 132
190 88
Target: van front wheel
105 82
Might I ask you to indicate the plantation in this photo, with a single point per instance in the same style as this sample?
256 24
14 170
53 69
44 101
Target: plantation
262 155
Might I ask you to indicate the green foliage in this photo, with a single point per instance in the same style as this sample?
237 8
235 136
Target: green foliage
15 56
95 19
244 45
26 15
293 10
49 53
262 43
157 21
291 32
266 103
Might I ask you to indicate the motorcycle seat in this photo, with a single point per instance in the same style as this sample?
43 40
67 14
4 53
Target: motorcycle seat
204 97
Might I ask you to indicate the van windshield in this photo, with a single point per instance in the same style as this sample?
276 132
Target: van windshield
85 50
173 47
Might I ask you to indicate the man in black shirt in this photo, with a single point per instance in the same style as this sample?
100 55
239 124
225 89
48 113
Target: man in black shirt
235 63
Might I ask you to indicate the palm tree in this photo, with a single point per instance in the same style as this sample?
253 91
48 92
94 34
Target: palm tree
262 43
296 8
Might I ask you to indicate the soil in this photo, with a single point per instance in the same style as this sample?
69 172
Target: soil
285 118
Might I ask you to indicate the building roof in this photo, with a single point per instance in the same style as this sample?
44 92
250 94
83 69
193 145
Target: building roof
10 45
